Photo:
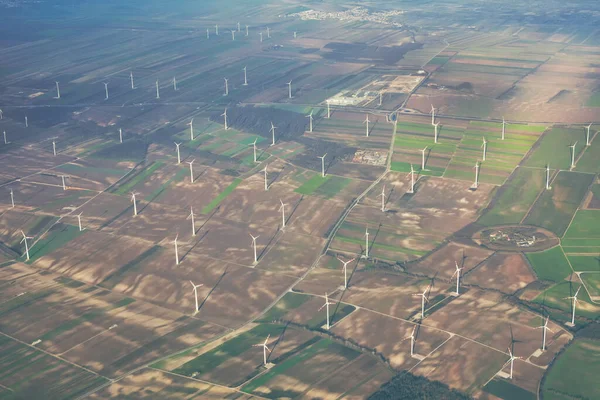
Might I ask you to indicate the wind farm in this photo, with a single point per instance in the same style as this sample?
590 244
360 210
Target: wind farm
280 200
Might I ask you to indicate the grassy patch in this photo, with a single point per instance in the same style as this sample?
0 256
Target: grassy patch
585 263
550 265
312 184
506 390
553 148
594 100
58 236
137 178
217 200
332 187
288 302
586 224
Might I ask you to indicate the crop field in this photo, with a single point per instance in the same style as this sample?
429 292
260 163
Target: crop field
553 148
441 263
506 272
550 265
570 374
555 208
555 298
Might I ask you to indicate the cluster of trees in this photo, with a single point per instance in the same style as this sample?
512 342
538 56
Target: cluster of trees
406 386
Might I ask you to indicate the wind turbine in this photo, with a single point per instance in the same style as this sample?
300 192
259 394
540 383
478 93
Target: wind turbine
106 91
217 30
423 158
282 209
435 132
457 274
5 141
265 349
26 122
424 299
253 144
380 98
367 242
191 124
266 181
133 194
120 135
573 146
544 328
12 198
574 298
310 121
484 147
191 170
178 153
261 36
382 195
207 33
131 79
273 127
412 341
328 109
511 361
57 91
54 147
366 121
245 76
157 90
268 33
64 185
295 35
547 176
176 250
233 35
224 115
79 222
327 303
503 127
25 237
226 87
432 115
254 247
346 270
1 115
290 89
246 30
476 184
412 179
174 84
323 164
193 221
587 136
238 26
196 294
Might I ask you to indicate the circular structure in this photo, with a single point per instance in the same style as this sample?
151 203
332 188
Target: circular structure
521 238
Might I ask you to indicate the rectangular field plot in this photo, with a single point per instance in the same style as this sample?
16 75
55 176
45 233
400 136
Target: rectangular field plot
553 148
585 263
556 298
584 225
550 265
555 207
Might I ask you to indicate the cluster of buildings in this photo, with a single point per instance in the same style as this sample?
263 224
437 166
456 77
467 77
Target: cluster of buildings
353 14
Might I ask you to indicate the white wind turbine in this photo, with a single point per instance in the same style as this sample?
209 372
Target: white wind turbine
266 179
295 34
64 184
424 299
328 109
245 76
133 194
120 135
12 198
261 36
574 298
57 91
191 170
178 153
265 349
253 144
573 147
26 122
282 209
382 195
254 247
193 221
435 132
326 305
423 158
196 295
412 179
457 274
484 147
105 90
174 84
217 30
54 147
224 115
131 79
226 87
238 27
79 222
412 341
290 89
547 176
246 30
367 242
476 184
176 250
380 98
512 362
503 127
545 329
310 121
432 115
366 121
191 124
5 141
268 32
233 35
25 237
346 270
587 136
323 164
157 90
207 33
273 127
1 115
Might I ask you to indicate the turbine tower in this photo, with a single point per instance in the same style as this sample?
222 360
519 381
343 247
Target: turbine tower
345 270
323 164
176 250
25 237
174 84
233 35
196 294
512 362
382 195
574 298
366 121
412 341
367 242
191 124
191 170
265 349
261 36
587 136
412 179
105 91
254 247
12 199
5 141
310 121
380 98
484 147
266 180
273 127
573 146
432 115
238 27
290 89
424 299
226 87
217 30
295 35
423 158
253 144
457 274
1 115
133 194
57 91
157 90
245 76
326 305
328 109
503 127
79 222
476 184
246 30
26 122
131 79
193 221
544 328
282 209
224 115
178 153
435 132
268 33
207 33
54 147
64 185
547 176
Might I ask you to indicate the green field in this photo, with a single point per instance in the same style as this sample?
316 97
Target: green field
594 100
592 283
78 169
289 302
513 200
217 200
137 178
574 373
585 263
58 236
586 224
550 265
312 184
554 209
589 160
507 391
556 297
332 187
553 148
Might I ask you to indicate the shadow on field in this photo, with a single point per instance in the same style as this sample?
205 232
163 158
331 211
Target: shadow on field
213 288
279 339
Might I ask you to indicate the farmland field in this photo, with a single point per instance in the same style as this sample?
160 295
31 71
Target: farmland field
550 265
